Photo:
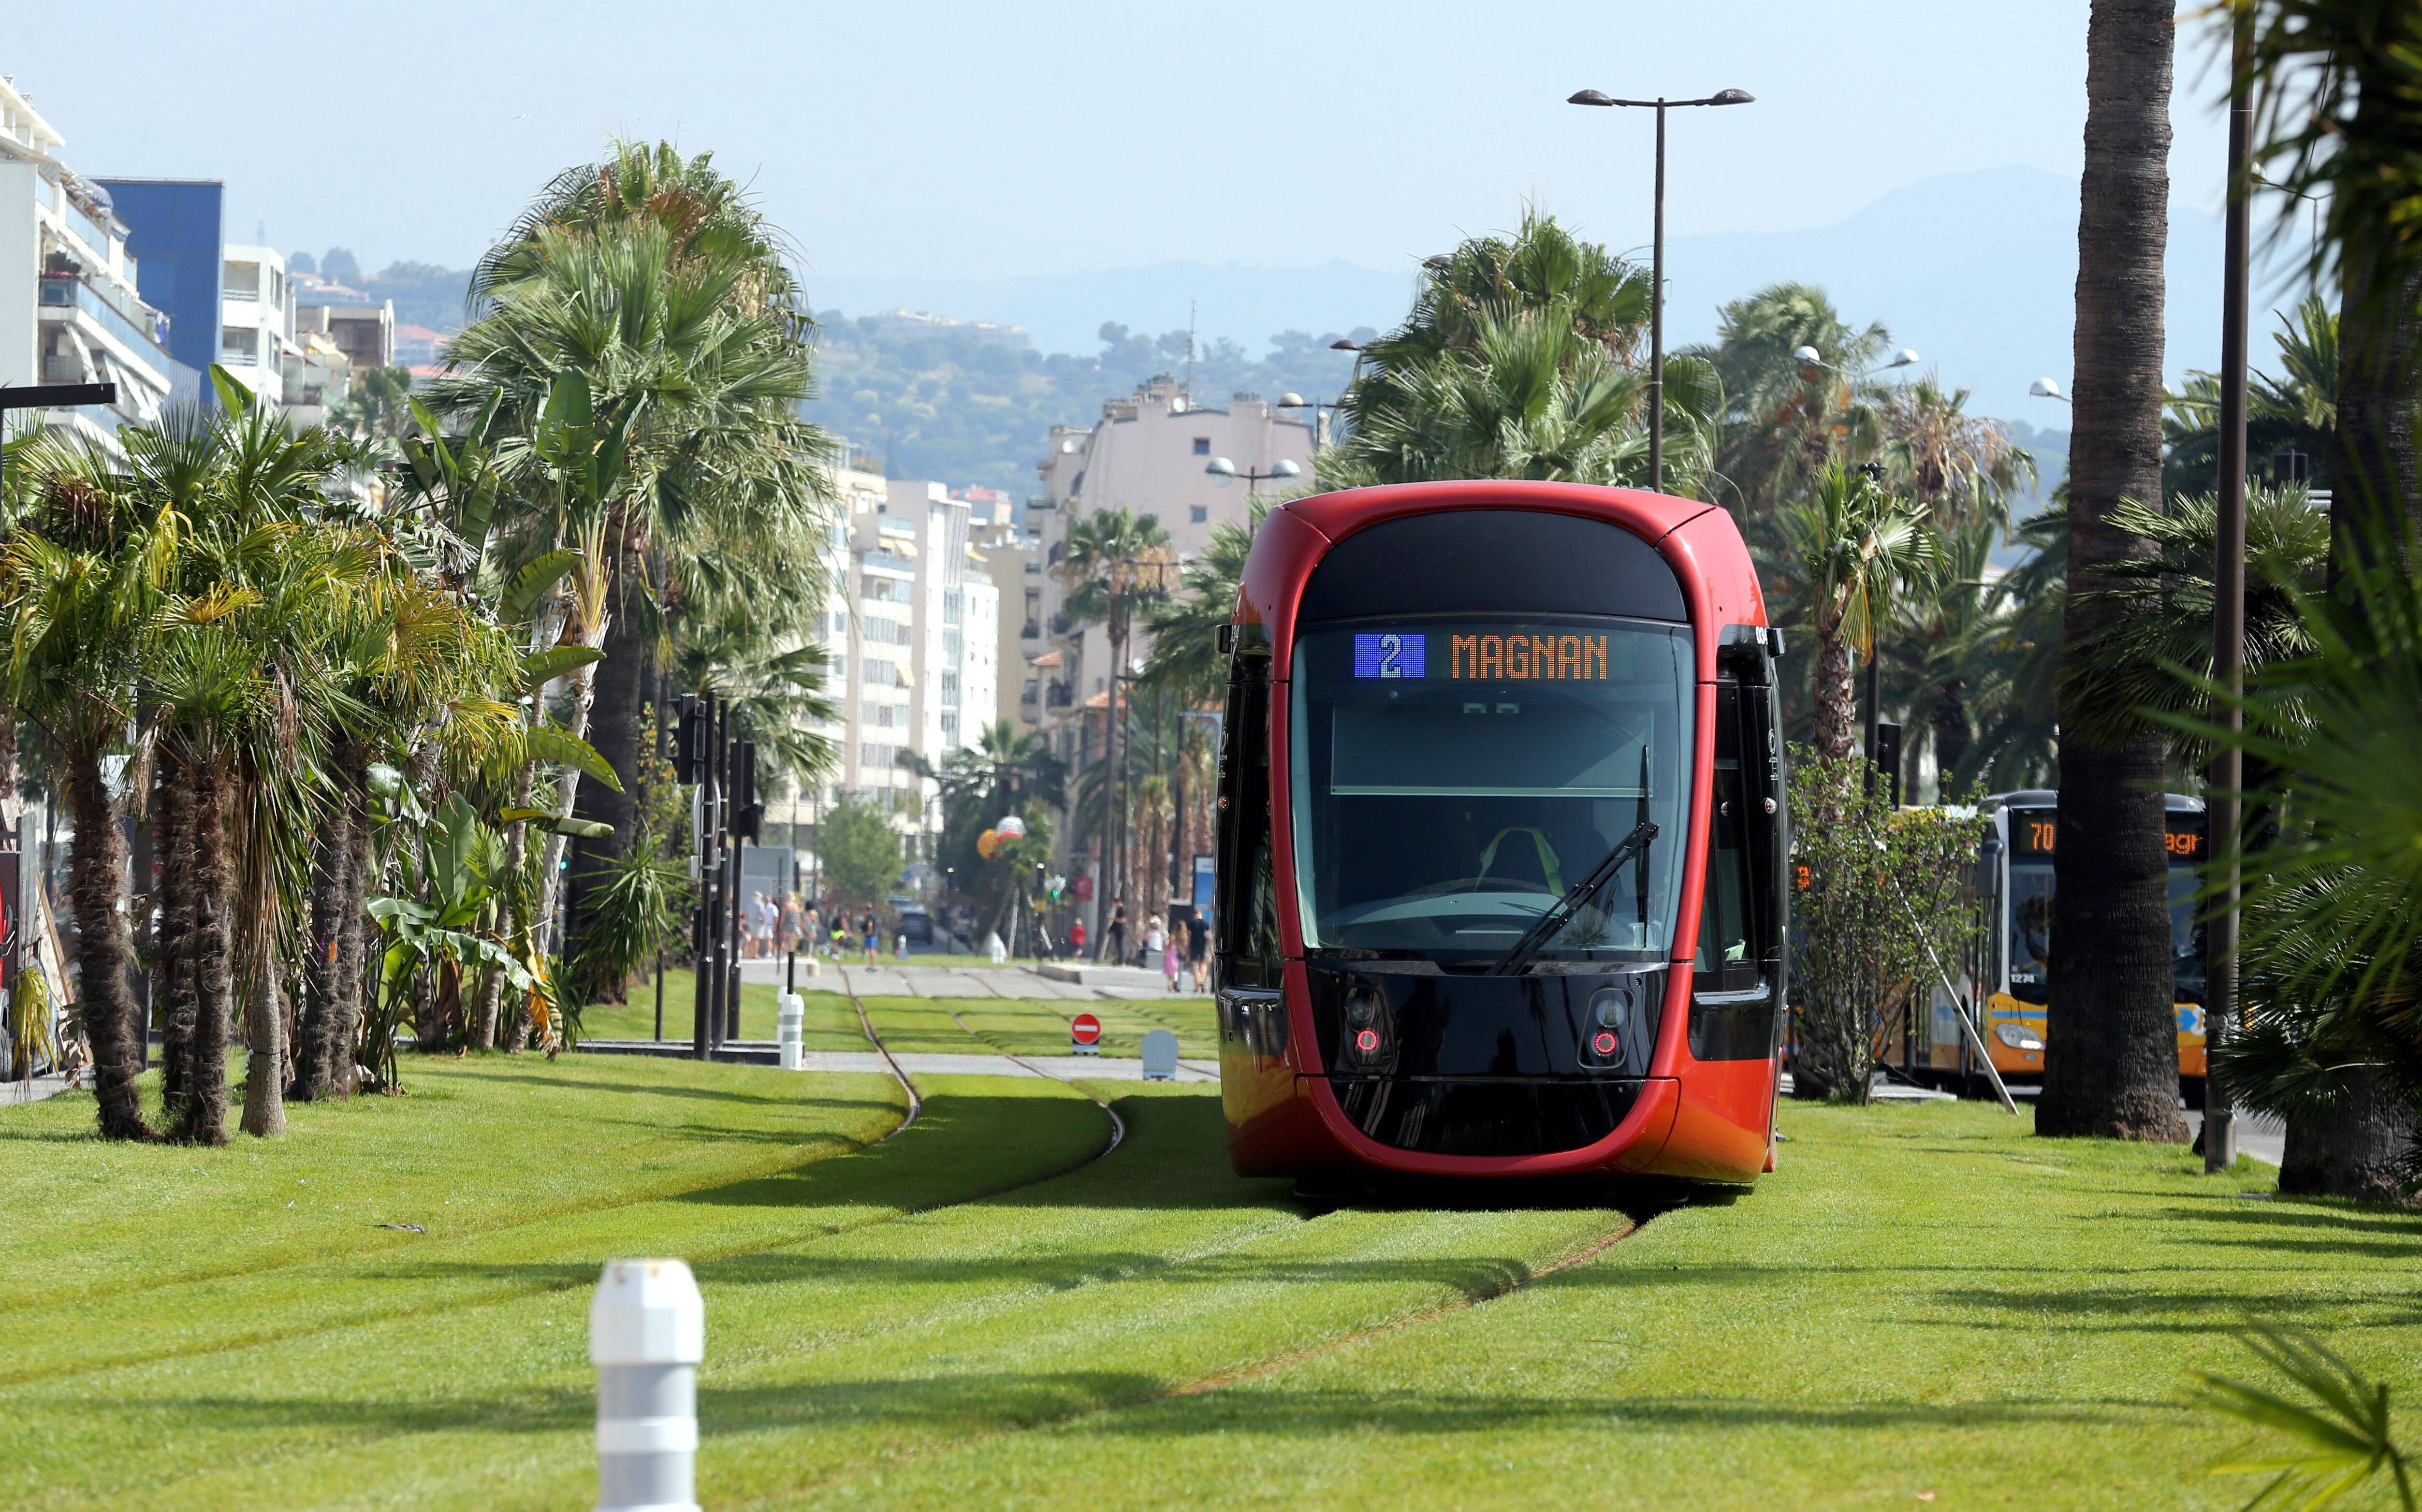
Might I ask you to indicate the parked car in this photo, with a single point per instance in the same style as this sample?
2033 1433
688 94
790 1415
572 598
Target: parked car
916 924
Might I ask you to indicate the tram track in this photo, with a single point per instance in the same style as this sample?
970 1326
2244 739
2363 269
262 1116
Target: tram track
1573 1256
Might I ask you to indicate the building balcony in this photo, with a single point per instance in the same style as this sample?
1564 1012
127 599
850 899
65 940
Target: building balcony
1031 631
1062 695
142 337
1059 624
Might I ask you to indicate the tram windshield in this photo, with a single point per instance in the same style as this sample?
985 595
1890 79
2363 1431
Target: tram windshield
1454 779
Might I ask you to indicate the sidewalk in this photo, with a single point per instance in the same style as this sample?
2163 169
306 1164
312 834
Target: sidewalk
1057 1067
967 976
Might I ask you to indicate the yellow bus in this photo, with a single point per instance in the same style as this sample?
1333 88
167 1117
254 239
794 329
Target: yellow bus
2014 871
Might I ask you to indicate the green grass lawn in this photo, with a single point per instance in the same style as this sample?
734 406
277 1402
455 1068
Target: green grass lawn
975 1313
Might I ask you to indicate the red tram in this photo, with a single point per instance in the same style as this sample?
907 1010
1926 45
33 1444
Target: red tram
1501 839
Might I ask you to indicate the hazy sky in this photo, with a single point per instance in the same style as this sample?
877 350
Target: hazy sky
957 140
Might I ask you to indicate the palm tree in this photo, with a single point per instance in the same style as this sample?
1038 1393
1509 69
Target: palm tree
2295 415
1521 360
1962 469
1117 563
77 593
2336 86
1784 418
1854 546
652 274
2145 666
2113 1067
2333 945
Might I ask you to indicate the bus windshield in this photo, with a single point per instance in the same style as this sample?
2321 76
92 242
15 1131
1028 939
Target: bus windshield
1454 779
2029 907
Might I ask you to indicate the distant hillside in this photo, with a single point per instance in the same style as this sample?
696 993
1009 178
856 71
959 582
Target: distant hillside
424 293
973 404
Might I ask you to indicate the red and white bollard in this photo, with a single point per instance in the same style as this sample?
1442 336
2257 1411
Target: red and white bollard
647 1333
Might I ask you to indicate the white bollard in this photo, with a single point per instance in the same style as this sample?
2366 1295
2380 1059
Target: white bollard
793 1028
647 1333
994 948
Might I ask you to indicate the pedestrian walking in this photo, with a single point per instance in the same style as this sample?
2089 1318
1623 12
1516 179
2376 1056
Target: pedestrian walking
1172 959
873 935
1198 946
1115 937
1156 940
1076 940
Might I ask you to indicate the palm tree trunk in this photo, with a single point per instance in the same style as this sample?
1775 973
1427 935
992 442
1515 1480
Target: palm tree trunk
2111 1066
1948 714
343 1024
2356 1149
264 1078
517 924
1838 699
331 848
172 988
615 728
104 952
584 694
205 1110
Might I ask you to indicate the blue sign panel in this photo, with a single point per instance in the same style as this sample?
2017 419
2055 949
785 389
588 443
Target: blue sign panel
1390 653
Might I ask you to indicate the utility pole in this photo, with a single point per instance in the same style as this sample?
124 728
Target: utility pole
2221 816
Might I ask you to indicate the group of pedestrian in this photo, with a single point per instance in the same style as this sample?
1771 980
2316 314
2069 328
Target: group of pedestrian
771 927
1180 951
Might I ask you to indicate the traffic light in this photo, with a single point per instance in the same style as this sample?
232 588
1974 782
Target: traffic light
690 740
747 813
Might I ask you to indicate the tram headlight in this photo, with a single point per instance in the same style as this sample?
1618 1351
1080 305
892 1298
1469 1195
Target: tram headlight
2015 1036
1609 1005
1361 1007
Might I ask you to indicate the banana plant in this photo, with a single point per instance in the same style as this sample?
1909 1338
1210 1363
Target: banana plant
430 941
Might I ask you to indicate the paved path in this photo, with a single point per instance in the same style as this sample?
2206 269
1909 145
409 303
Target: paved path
966 976
1057 1067
2258 1134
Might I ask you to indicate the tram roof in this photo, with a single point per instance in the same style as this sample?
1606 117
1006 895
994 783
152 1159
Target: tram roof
1652 516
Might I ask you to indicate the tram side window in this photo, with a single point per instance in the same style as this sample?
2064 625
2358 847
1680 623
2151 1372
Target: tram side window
1728 954
1246 911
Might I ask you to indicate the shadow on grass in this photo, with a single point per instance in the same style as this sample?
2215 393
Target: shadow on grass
1123 1403
2146 1311
2290 1213
643 1089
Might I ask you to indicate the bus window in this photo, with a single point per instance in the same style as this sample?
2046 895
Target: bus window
2030 927
2186 934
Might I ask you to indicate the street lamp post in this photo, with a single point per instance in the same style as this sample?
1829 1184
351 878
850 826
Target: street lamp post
1656 264
1320 411
1221 467
2228 614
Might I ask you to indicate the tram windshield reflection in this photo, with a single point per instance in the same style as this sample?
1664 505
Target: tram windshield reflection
1453 778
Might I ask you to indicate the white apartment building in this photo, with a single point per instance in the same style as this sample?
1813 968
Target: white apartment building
257 325
70 312
911 638
1148 453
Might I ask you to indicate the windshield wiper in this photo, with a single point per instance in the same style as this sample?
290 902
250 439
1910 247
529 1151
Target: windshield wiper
1545 929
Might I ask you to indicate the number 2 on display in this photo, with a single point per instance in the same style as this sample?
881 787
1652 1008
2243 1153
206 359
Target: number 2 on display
1391 648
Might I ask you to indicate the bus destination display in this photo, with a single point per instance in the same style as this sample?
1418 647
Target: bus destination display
1488 657
2033 833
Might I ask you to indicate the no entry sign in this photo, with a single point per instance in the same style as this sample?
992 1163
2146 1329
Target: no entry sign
1085 1032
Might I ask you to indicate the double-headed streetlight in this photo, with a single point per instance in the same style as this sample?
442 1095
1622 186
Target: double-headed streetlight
1220 467
1809 356
2047 388
1656 264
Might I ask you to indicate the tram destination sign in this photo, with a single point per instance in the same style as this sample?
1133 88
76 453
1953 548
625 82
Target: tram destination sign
1483 655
